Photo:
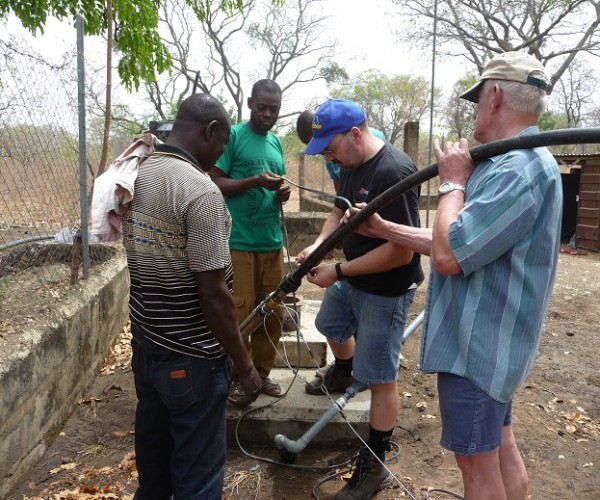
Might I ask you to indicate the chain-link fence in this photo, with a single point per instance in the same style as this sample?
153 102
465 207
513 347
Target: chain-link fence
40 182
306 177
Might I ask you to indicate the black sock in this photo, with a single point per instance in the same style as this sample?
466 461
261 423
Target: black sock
345 365
379 441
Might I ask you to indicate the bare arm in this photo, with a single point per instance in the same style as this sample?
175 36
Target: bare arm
455 165
383 258
414 238
217 306
442 256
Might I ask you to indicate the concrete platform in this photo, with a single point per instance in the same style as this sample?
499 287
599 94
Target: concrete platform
307 348
296 412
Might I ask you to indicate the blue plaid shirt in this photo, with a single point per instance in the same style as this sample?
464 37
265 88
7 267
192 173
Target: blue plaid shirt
485 323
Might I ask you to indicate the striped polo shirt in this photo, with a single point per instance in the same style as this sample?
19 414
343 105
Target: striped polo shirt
177 225
485 323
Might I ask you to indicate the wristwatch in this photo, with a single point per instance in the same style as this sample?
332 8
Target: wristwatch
338 271
446 187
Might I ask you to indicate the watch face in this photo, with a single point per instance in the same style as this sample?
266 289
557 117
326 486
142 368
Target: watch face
445 188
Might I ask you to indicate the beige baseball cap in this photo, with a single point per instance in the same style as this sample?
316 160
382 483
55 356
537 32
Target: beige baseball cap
514 67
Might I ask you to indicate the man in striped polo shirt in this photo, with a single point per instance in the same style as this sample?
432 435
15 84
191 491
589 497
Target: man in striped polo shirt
494 249
183 318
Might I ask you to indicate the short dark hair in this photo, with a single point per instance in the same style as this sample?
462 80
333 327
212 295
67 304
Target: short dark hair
304 125
265 85
305 119
199 109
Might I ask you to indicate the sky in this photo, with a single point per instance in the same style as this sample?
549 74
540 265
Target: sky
365 31
366 40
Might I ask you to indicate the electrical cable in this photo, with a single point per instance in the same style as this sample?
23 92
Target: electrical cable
444 492
391 459
292 281
346 201
337 466
270 460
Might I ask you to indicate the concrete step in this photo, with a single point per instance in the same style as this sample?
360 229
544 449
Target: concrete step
295 413
306 348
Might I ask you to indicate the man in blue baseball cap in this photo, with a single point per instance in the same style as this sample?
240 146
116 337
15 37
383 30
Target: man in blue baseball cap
333 117
304 129
370 293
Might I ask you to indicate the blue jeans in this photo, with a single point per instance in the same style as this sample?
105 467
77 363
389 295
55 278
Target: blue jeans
378 322
180 433
472 421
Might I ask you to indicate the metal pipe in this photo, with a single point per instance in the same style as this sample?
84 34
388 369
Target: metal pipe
26 240
83 196
410 329
288 449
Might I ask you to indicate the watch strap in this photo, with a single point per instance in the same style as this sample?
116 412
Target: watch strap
446 187
338 271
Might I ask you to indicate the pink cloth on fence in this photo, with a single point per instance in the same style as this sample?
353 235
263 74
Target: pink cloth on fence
114 188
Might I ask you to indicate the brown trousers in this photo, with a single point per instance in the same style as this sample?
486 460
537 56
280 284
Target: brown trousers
256 275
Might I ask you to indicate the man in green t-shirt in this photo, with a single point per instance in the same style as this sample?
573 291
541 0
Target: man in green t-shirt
249 176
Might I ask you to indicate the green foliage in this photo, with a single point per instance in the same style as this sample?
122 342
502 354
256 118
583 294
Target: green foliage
389 102
143 54
550 120
334 74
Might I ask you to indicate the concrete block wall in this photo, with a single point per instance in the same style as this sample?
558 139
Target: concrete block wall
54 364
302 228
41 381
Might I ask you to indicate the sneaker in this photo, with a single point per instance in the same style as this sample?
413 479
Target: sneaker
368 478
334 380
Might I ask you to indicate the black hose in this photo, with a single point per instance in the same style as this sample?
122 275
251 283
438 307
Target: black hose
479 153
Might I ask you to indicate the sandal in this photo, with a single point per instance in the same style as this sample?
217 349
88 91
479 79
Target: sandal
237 396
271 388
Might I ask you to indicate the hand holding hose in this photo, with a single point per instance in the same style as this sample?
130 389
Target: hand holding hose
372 227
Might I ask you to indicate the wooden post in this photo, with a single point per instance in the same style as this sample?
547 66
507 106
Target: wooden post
301 178
411 140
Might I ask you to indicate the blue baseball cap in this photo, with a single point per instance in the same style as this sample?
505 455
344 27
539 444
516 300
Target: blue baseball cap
333 117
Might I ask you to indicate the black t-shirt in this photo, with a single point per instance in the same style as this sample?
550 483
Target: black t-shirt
388 167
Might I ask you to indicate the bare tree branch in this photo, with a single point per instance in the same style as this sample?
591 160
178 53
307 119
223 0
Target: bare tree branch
551 30
289 40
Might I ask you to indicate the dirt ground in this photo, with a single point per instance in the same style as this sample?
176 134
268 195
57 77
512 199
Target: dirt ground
556 418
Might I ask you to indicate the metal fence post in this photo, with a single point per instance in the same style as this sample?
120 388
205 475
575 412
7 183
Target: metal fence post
83 194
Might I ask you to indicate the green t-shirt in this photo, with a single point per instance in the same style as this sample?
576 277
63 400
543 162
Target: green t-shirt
255 213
